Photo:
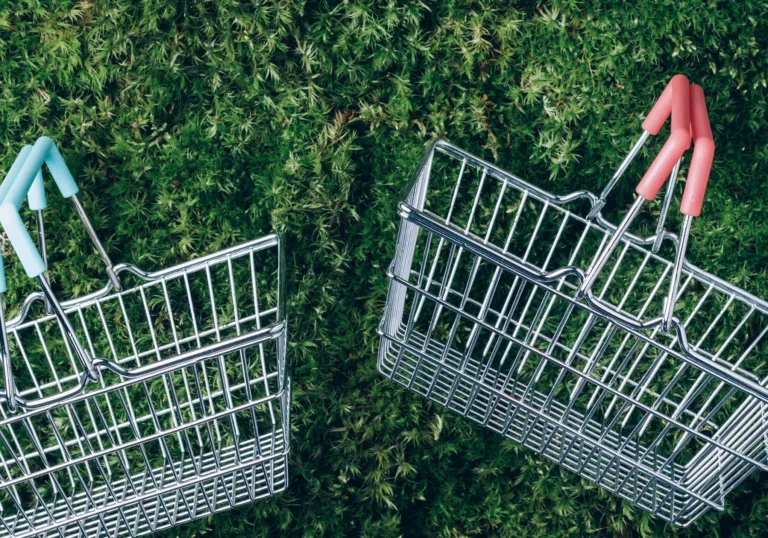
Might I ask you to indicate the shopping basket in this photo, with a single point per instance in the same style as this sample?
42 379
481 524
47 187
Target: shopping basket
534 316
160 398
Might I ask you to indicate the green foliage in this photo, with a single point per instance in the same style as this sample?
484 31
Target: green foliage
194 125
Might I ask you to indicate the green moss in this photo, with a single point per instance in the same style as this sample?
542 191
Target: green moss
195 125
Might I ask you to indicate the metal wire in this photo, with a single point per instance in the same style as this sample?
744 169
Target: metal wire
188 413
484 317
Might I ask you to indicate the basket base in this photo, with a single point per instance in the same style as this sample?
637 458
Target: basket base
222 484
513 414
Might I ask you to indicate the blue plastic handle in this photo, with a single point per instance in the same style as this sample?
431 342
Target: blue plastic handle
36 195
28 178
37 199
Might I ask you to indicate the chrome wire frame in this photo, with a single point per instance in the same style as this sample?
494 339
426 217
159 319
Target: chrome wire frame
483 317
188 413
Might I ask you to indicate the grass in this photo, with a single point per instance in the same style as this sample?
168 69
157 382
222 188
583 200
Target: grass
192 126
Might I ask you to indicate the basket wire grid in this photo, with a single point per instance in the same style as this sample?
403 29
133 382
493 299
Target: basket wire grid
188 412
483 316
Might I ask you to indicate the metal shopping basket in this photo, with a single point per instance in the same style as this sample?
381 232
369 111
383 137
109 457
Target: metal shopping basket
160 398
534 316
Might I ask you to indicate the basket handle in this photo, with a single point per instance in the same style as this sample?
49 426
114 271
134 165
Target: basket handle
695 188
703 155
674 101
44 151
37 201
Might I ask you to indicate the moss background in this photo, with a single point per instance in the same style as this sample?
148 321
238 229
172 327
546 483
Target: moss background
194 125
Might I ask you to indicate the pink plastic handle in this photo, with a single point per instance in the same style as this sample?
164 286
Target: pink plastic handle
661 110
703 155
674 100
